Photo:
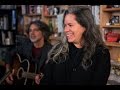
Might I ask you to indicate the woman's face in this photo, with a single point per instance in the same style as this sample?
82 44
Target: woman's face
73 29
35 34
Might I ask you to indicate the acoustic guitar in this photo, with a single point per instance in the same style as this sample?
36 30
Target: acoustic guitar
21 70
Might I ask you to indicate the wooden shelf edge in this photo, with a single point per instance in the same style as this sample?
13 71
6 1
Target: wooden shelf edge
32 15
112 26
115 62
50 16
111 9
113 44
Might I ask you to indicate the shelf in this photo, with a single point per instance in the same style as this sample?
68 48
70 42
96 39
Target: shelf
113 44
4 46
115 62
32 15
53 40
111 9
50 16
52 37
112 26
105 17
11 30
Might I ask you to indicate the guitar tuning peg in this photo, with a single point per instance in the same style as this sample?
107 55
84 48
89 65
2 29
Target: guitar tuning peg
41 74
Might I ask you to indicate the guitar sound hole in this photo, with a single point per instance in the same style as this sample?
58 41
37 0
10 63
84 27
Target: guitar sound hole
19 73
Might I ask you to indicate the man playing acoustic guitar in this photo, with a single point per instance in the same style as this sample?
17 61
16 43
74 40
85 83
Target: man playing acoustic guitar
32 51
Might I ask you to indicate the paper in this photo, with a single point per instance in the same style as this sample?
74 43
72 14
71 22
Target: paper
60 22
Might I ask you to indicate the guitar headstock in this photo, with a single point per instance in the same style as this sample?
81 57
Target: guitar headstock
41 75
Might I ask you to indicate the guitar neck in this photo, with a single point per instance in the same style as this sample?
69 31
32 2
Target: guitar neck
28 75
4 77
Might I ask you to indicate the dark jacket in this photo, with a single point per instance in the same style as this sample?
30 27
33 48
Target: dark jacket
24 49
71 71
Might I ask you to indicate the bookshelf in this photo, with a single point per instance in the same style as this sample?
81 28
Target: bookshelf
7 27
30 13
111 25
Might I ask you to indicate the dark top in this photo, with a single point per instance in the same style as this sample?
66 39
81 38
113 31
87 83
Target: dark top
71 71
36 52
26 50
35 56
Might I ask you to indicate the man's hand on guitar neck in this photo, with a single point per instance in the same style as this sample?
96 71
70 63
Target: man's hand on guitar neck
9 79
38 77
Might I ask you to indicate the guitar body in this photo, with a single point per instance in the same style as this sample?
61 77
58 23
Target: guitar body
24 72
21 66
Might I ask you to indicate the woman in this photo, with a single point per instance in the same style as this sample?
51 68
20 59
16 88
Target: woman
82 58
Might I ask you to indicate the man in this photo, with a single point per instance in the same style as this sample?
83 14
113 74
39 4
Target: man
34 48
